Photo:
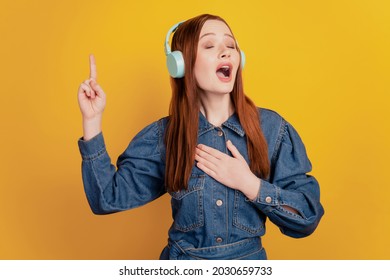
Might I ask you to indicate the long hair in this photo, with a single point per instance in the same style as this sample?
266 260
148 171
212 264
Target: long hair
182 129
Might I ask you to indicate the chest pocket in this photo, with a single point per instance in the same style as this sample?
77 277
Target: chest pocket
187 205
246 216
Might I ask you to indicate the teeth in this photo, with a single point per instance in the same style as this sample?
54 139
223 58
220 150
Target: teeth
225 67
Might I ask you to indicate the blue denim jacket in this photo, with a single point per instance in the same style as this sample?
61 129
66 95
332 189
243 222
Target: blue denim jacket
210 221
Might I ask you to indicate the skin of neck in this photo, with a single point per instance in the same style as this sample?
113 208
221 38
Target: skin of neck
216 108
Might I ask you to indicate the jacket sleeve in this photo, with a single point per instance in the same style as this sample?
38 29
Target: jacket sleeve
291 185
137 180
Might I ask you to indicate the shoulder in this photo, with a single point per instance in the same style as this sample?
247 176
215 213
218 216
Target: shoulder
273 121
152 131
149 140
280 133
272 124
268 116
277 130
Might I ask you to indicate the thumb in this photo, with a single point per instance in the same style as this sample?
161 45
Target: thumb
234 150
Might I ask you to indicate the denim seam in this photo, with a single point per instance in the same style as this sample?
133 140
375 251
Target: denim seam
103 199
281 208
190 252
100 186
238 243
247 229
193 188
198 188
236 129
95 155
277 195
255 252
236 221
190 227
203 131
281 134
160 139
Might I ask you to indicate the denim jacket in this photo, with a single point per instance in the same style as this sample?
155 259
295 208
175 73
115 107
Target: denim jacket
210 220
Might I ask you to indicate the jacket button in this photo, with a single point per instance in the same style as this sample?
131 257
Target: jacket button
268 199
219 202
219 240
220 132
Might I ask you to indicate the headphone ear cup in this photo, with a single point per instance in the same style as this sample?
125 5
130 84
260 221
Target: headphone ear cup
243 59
175 64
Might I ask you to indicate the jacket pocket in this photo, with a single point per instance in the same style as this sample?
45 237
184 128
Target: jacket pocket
187 205
246 216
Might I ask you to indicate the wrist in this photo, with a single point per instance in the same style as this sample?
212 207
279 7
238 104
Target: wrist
252 188
91 127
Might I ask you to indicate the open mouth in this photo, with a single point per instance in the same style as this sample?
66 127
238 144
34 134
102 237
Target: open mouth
224 71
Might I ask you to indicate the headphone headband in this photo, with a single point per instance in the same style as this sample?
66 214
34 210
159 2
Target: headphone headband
167 48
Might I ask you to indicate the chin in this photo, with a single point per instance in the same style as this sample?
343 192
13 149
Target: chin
227 90
223 92
219 88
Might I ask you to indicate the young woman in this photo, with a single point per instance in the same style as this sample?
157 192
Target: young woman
227 164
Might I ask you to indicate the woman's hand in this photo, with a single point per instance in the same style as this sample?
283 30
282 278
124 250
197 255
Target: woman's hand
233 172
92 101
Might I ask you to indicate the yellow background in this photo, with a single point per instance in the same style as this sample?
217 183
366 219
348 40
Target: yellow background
323 65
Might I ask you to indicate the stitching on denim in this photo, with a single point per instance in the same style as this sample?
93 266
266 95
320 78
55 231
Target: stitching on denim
247 229
204 130
278 192
96 155
236 221
282 209
282 132
238 243
236 128
160 139
245 256
198 188
190 252
103 199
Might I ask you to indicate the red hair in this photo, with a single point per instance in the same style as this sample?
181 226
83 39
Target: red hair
182 129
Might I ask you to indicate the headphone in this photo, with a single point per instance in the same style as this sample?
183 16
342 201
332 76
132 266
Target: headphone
175 60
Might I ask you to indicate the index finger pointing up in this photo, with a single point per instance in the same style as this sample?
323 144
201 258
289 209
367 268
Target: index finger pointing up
92 67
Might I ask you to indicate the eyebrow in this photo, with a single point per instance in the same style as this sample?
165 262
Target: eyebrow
210 33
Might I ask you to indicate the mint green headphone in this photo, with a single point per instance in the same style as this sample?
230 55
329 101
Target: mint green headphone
175 60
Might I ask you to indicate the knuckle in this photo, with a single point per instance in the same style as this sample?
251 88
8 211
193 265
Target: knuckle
84 88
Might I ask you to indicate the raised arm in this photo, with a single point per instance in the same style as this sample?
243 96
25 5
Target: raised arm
138 177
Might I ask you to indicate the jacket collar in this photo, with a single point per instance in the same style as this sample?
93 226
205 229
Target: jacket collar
232 123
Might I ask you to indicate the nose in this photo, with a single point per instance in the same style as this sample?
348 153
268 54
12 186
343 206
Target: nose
225 52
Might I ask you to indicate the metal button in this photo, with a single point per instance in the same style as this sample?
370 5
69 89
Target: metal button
268 199
219 202
219 239
220 132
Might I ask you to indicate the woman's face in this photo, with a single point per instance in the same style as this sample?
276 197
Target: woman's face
217 58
